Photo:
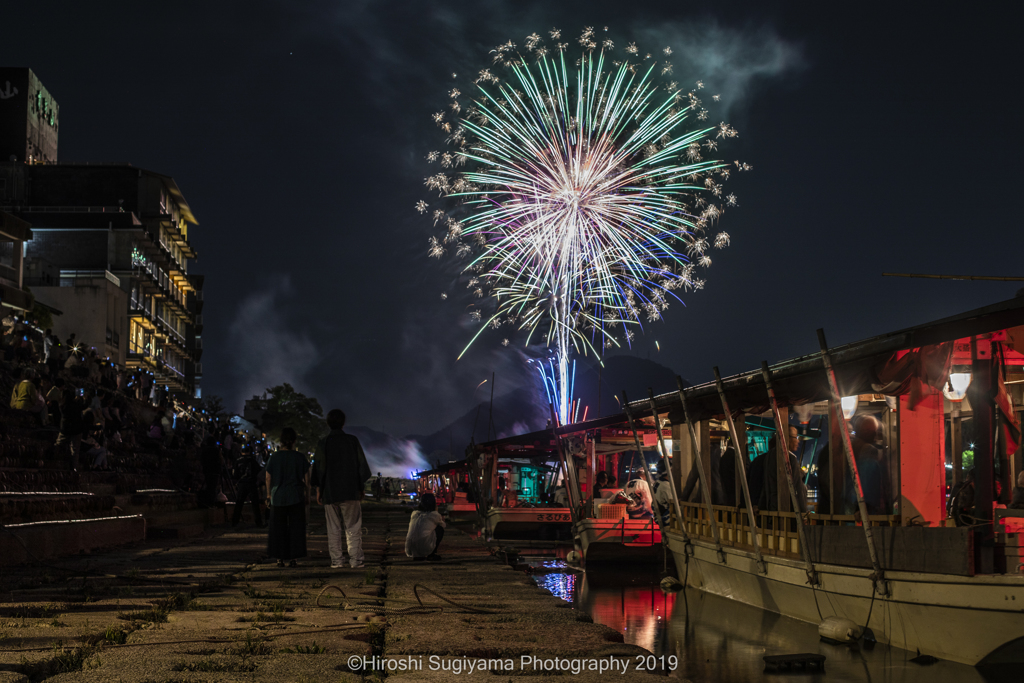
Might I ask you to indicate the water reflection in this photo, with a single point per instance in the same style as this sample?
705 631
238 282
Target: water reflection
555 576
717 639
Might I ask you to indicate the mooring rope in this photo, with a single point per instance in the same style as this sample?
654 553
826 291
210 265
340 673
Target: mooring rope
418 606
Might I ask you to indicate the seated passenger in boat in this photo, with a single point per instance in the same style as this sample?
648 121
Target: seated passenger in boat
727 477
426 529
869 467
763 480
663 495
560 496
603 482
691 489
637 498
1017 499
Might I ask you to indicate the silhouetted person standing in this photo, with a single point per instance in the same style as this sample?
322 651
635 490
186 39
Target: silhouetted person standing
248 486
287 493
339 474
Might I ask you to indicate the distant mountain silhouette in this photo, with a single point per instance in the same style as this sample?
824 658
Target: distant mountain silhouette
526 409
516 412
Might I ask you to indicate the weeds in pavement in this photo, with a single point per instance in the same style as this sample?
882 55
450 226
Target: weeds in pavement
313 649
253 645
116 635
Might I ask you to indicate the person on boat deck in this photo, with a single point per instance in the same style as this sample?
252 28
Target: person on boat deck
637 497
1017 501
426 529
603 482
767 484
869 467
561 496
502 492
727 477
691 491
663 493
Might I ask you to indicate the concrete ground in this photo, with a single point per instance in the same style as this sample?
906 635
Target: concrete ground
214 608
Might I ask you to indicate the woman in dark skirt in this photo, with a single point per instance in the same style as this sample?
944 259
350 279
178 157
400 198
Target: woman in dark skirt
287 493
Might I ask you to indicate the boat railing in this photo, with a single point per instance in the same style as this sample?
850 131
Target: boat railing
777 530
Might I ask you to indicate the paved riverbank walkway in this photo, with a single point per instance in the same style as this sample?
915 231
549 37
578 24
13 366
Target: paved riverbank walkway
214 608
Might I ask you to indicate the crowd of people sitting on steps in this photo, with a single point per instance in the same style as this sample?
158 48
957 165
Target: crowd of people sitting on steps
85 405
94 412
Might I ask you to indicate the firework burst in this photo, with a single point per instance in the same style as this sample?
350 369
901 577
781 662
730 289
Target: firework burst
583 199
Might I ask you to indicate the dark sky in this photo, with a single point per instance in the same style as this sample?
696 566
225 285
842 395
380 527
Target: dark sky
884 137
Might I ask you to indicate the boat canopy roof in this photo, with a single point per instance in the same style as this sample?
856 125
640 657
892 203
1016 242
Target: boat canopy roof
444 469
862 367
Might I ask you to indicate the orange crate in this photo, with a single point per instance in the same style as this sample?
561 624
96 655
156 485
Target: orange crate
611 511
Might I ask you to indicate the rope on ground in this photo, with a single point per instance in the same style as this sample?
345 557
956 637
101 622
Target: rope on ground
419 607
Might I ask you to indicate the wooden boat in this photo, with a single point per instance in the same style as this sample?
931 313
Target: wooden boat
953 592
600 530
952 588
516 494
450 485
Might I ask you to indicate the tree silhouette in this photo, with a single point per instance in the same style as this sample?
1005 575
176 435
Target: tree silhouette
289 408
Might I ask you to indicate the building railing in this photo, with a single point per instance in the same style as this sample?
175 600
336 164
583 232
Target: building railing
66 209
9 274
68 278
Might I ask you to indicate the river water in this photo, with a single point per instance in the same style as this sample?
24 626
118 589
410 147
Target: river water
720 640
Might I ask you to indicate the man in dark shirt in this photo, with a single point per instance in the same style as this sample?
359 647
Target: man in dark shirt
210 457
339 474
72 426
247 469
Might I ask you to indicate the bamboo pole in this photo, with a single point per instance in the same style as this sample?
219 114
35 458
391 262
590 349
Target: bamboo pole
570 480
878 578
782 450
668 466
705 484
741 471
647 470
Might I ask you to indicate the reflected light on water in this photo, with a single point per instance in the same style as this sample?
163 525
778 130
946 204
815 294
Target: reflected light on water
717 639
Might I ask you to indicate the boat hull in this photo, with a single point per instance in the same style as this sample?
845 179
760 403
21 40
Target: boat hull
536 524
974 620
618 540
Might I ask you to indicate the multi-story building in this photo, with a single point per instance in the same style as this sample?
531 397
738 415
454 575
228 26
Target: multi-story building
107 227
14 232
28 118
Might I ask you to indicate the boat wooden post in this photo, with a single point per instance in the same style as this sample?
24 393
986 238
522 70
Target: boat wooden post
705 484
782 450
878 578
668 465
476 476
571 489
956 436
647 470
741 472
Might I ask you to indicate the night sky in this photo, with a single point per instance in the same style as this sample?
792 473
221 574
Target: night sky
883 136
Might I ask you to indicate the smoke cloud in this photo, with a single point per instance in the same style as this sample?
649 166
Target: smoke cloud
266 349
389 360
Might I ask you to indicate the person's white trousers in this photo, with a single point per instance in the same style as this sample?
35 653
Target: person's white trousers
345 518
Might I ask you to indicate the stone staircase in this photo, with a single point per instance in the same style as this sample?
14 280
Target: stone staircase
49 510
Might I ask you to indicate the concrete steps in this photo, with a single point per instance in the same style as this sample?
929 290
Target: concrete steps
49 513
41 541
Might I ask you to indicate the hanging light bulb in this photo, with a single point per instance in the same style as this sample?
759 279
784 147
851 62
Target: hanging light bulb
956 386
849 404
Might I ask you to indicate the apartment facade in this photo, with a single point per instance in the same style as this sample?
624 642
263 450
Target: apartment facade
97 225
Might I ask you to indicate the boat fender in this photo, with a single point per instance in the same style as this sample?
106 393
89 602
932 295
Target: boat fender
670 584
839 630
